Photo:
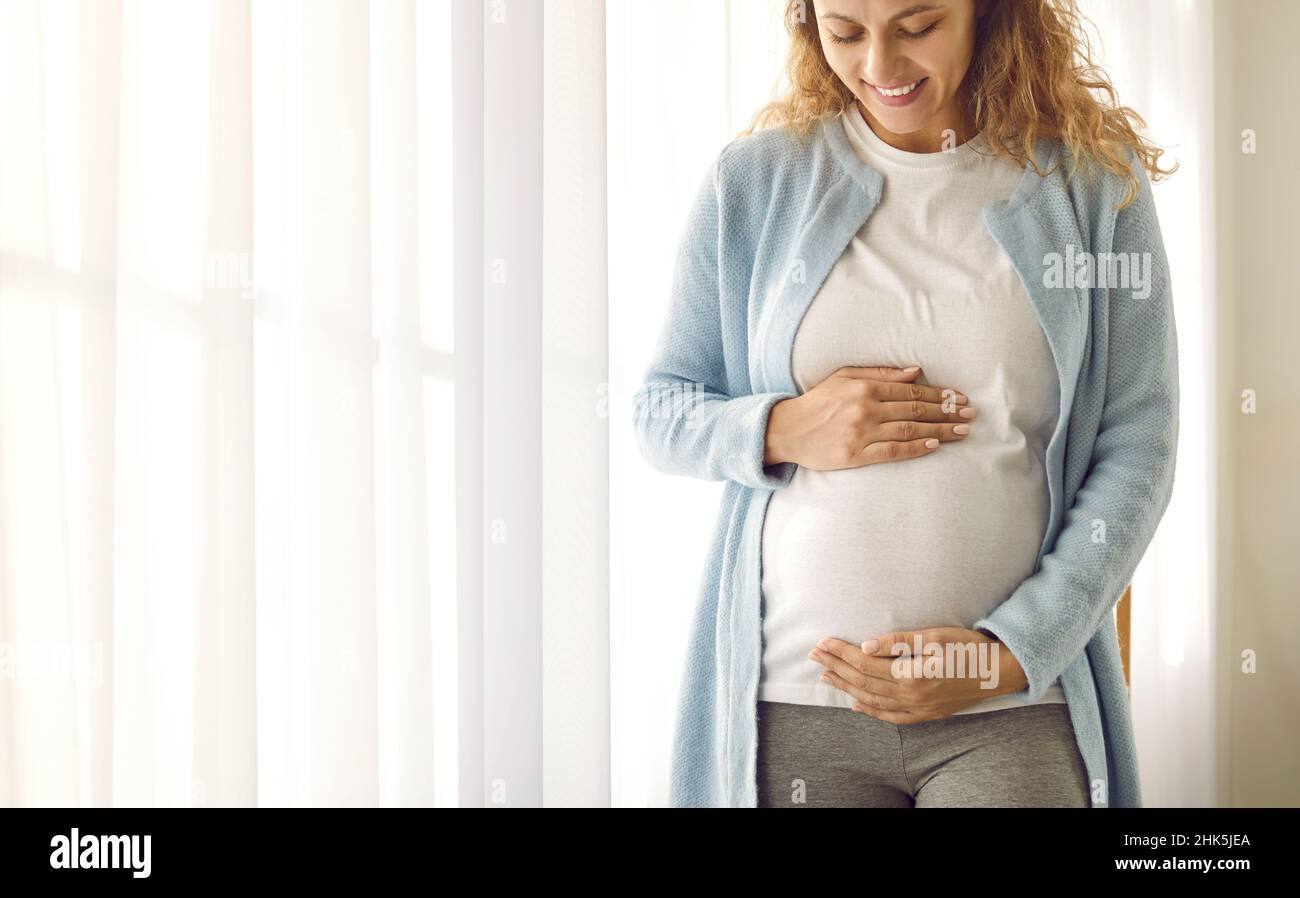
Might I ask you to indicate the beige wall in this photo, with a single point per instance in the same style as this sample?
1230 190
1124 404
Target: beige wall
1257 69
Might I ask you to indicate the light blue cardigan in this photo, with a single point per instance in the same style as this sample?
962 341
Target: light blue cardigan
769 220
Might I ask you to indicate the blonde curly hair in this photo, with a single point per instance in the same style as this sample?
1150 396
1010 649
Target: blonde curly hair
1032 75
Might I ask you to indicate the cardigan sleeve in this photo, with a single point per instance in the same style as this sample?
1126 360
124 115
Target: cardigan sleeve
1050 617
688 419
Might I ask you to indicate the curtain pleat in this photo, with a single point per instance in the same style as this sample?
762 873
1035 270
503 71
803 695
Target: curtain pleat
225 699
405 616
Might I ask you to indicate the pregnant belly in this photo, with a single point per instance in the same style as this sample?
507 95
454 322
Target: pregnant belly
937 541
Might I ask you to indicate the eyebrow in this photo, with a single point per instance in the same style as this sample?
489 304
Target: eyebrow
910 11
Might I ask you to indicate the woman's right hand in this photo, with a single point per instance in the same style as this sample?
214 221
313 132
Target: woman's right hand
863 416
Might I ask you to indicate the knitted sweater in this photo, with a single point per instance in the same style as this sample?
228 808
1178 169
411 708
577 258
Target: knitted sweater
770 218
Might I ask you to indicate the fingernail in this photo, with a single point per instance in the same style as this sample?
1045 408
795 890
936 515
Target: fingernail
961 428
910 368
967 413
931 443
824 644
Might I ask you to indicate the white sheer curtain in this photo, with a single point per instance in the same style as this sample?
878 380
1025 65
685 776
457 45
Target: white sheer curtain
664 129
290 412
1160 56
227 519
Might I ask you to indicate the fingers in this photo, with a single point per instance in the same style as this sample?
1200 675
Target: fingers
909 392
893 715
866 674
919 410
906 431
909 439
884 384
895 643
896 450
882 372
866 695
864 670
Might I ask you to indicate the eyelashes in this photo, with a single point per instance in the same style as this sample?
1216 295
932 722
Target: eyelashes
902 32
917 35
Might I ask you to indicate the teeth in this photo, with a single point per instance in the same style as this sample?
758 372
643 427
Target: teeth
898 91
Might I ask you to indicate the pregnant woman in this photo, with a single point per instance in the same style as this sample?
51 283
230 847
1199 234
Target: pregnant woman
921 323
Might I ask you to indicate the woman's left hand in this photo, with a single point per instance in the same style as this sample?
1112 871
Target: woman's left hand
913 675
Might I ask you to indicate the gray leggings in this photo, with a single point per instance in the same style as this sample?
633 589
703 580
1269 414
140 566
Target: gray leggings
814 756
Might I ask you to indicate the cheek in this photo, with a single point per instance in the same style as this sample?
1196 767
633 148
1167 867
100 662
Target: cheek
960 50
843 63
949 58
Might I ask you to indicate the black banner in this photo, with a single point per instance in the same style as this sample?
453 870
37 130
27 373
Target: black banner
212 847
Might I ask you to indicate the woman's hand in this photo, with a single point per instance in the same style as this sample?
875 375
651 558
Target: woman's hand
863 416
916 675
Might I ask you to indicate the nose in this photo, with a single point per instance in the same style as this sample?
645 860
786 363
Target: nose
882 64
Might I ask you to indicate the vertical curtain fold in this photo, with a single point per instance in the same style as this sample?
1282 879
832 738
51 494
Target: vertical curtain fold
225 744
333 565
406 660
576 690
99 80
511 662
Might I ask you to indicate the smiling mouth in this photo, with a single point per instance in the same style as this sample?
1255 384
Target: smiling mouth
900 91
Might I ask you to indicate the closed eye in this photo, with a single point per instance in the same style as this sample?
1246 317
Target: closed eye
916 35
902 32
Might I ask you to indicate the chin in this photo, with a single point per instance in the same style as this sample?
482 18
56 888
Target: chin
897 121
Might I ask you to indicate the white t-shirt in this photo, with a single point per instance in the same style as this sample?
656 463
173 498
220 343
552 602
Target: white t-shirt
943 539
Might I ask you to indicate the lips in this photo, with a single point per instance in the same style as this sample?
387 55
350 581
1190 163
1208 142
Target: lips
899 94
900 91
